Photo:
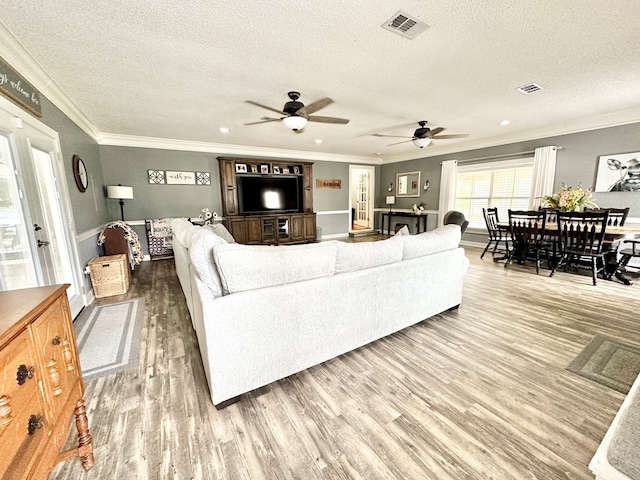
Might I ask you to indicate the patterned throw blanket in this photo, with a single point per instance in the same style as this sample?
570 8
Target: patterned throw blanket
161 228
135 249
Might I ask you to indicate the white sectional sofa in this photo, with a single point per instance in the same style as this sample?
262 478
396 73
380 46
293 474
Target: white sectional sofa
262 313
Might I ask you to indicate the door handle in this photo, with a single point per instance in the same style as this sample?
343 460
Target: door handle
36 227
40 243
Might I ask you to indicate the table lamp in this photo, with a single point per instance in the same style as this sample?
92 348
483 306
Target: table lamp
121 193
390 200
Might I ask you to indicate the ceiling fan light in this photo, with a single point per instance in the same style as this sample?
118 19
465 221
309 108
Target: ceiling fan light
294 122
422 142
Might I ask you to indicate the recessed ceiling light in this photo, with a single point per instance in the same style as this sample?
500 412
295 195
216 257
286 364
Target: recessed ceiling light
318 141
224 130
505 122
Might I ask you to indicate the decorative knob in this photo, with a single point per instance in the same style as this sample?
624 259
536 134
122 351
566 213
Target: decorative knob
35 422
23 373
6 411
56 340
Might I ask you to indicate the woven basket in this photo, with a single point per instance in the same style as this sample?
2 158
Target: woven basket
109 275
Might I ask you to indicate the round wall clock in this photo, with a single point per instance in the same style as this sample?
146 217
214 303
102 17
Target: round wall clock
80 173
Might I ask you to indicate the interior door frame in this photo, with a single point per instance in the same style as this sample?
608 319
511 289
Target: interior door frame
370 194
21 118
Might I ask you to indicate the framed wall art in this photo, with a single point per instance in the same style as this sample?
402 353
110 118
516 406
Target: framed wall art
618 172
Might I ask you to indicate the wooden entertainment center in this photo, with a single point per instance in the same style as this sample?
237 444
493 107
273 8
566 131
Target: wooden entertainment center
296 224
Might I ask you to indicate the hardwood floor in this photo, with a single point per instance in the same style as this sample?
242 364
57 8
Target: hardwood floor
477 393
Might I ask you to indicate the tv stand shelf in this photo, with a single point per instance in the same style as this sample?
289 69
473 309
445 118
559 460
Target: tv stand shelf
270 227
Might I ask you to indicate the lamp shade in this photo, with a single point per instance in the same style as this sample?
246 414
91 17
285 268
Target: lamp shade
119 191
390 199
294 122
421 142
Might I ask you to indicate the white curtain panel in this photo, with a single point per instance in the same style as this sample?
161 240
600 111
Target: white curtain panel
447 188
544 172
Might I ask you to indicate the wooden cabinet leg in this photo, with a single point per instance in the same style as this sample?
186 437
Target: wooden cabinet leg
85 448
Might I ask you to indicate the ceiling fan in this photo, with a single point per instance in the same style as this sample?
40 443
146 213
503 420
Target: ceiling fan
296 114
423 135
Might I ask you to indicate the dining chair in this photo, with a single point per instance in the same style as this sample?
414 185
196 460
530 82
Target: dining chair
626 254
497 234
527 228
617 216
549 239
581 236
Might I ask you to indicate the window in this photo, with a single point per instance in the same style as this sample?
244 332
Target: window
505 185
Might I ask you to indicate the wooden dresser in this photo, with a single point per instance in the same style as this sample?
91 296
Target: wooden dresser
41 384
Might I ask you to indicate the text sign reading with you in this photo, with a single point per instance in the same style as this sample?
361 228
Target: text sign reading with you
181 178
16 88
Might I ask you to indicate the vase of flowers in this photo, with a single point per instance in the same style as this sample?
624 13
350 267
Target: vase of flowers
570 199
418 208
208 216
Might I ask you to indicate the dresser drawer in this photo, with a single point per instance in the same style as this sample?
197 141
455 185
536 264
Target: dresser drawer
55 344
20 402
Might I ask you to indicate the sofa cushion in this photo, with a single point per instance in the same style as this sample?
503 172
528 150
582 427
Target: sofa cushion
403 231
201 254
248 267
433 241
358 256
220 230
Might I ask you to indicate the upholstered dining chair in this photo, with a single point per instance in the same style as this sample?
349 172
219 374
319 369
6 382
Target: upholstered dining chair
527 228
497 235
581 236
456 218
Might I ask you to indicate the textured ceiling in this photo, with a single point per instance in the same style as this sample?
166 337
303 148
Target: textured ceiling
181 70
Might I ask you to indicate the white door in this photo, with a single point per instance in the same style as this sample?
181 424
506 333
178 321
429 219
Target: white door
37 238
361 197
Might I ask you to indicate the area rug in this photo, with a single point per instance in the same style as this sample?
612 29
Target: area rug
109 337
608 362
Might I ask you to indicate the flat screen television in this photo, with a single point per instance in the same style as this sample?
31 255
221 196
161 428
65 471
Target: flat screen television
262 194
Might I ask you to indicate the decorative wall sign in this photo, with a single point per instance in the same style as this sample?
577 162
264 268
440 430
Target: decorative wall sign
618 172
17 89
203 178
169 177
337 184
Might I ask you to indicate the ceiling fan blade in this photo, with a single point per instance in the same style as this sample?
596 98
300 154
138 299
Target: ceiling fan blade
316 118
265 120
435 131
454 135
279 112
314 107
398 143
389 136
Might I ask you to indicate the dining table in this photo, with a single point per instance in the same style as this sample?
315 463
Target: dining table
613 235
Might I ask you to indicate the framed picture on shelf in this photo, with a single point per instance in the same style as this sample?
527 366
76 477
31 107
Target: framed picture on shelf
296 169
285 170
264 168
254 168
276 169
241 168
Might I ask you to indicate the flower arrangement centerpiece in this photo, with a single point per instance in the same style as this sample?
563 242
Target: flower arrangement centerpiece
208 216
570 199
418 208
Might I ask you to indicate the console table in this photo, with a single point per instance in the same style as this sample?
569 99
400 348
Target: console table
421 220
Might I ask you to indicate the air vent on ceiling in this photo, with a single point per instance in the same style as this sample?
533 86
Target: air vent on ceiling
529 89
405 25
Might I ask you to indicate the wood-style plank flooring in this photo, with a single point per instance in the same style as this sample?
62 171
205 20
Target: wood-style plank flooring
478 393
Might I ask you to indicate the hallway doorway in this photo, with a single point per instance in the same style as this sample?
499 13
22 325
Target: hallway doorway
361 198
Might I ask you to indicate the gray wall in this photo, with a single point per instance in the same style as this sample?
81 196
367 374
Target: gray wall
128 166
577 162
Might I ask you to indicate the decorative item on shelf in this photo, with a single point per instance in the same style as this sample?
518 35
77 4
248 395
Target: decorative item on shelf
285 170
296 170
390 200
208 216
264 168
241 168
418 208
570 199
276 169
254 168
121 193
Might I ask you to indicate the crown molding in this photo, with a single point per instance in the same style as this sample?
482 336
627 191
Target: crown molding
118 140
615 119
19 58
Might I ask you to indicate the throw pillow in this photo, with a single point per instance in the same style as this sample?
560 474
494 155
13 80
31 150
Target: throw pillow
403 231
220 230
201 254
